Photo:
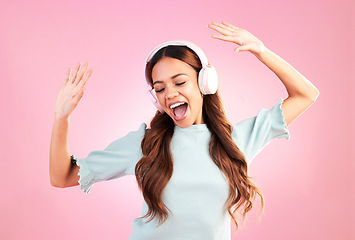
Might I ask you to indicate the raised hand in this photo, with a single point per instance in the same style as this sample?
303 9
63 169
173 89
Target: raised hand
72 90
231 33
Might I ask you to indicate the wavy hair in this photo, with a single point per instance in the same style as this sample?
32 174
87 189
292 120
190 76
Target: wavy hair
155 168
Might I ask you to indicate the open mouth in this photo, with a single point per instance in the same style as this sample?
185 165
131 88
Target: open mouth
179 110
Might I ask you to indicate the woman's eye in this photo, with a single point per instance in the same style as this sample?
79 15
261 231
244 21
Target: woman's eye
159 90
180 83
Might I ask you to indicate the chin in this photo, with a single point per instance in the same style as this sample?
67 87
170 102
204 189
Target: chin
183 124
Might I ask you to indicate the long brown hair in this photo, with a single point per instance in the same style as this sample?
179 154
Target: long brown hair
155 168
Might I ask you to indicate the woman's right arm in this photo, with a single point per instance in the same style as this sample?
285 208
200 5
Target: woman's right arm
62 172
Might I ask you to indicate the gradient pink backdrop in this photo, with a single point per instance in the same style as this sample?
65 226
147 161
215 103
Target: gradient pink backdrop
308 181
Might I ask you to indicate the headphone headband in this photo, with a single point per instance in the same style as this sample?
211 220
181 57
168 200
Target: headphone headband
201 55
185 43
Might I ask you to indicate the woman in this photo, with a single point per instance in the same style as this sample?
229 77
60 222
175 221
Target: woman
191 165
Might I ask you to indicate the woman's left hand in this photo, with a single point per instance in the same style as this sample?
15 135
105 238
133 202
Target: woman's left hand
231 33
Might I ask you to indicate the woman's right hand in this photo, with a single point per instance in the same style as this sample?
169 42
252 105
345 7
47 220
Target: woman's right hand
72 90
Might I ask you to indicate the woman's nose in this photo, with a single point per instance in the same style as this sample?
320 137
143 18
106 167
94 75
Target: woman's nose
171 92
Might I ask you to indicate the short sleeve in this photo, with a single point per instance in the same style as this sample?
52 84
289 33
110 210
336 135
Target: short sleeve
116 160
253 134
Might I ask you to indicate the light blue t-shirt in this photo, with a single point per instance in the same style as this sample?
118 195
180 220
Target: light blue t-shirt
197 191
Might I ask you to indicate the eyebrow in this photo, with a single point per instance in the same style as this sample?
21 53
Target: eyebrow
173 77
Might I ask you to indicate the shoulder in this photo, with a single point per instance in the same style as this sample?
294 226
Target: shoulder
130 139
253 134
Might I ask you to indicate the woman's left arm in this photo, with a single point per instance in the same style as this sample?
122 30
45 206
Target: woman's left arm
301 92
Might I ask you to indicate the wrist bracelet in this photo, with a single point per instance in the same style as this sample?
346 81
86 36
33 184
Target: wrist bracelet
73 159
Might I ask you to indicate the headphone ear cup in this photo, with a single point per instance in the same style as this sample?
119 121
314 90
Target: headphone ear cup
153 97
208 80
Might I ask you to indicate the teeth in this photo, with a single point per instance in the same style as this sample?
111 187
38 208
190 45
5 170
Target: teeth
176 105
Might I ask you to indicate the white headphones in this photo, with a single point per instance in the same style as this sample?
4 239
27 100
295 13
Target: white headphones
207 77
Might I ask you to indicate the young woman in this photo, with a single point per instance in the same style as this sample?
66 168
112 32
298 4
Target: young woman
191 164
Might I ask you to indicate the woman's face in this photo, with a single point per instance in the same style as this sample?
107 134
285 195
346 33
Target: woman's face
175 83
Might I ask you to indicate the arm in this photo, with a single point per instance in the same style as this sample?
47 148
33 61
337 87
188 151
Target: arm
301 92
62 172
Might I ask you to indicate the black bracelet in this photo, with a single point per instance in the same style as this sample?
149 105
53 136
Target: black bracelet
73 159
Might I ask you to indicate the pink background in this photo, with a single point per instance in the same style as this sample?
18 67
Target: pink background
308 182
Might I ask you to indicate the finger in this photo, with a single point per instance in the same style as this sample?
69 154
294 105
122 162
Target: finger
223 37
230 25
85 78
220 28
81 73
76 72
216 25
227 27
67 76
